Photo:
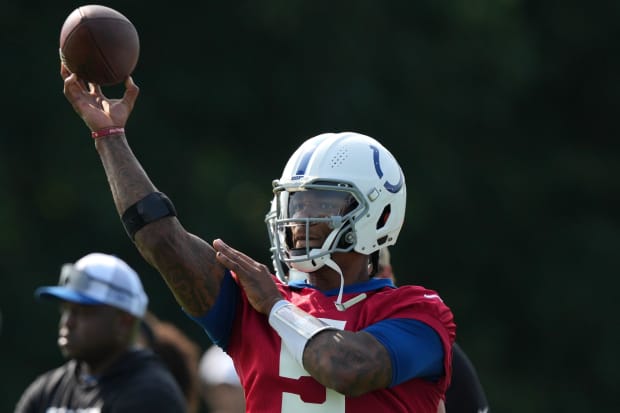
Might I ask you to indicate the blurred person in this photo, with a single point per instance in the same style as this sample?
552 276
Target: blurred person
177 351
465 393
343 341
101 304
220 386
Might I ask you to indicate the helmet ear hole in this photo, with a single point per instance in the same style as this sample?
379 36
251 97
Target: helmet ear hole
384 216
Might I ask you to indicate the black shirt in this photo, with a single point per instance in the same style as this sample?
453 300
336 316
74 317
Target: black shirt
465 394
137 383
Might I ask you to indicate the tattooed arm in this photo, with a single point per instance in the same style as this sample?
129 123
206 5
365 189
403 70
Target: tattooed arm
383 354
350 363
186 262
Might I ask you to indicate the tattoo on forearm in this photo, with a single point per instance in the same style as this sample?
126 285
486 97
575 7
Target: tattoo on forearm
352 363
127 179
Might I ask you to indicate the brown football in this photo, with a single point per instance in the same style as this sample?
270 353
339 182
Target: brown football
99 44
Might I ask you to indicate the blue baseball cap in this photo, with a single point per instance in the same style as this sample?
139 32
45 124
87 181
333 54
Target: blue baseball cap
99 279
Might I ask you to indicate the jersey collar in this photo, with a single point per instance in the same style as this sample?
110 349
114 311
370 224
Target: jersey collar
370 285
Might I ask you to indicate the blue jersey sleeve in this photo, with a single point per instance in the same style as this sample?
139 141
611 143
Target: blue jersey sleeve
414 347
218 321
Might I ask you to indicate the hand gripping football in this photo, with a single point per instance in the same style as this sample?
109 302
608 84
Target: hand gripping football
99 44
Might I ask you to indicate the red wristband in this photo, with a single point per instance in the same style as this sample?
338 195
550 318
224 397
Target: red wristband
106 132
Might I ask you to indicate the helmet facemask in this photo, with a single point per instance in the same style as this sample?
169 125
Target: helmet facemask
309 222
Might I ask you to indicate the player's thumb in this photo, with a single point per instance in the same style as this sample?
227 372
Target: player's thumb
131 92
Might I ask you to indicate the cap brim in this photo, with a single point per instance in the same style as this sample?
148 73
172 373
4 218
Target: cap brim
65 294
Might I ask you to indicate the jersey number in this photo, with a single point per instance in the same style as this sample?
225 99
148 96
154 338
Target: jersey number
303 394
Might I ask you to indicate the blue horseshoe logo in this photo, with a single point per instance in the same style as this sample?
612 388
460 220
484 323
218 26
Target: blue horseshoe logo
393 188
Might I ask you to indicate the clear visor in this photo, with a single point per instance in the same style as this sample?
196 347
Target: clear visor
303 211
319 204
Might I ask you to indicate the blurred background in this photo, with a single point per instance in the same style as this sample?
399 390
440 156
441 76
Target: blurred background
502 113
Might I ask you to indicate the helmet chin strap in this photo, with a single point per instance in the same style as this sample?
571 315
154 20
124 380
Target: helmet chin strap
339 304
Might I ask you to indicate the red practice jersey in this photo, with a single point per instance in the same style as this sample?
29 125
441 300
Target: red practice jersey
274 382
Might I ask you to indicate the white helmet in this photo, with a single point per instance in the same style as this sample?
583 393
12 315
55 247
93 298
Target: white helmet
371 187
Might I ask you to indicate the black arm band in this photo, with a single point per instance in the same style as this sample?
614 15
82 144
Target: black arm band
151 208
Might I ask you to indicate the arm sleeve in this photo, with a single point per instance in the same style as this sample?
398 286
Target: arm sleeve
218 321
415 348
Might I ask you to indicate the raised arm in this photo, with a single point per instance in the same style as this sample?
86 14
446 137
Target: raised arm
186 262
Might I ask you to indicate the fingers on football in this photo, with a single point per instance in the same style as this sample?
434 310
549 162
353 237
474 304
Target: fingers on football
73 87
131 92
64 72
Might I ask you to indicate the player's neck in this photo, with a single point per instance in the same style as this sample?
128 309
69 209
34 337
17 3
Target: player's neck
99 366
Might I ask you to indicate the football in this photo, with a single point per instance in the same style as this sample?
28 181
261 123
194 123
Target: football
99 44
